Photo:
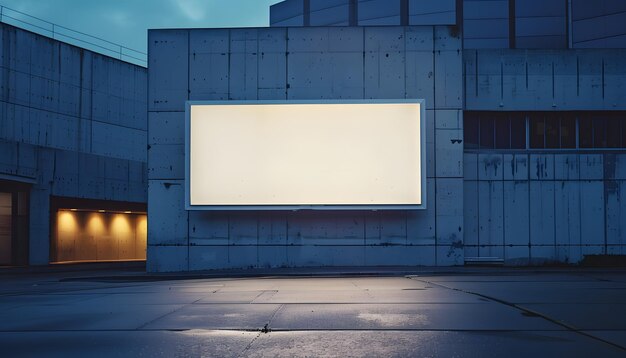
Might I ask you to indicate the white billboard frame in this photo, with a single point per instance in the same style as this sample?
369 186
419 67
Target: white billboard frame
423 163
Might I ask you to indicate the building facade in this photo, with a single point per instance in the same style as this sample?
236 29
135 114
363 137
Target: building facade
299 64
548 24
526 130
73 182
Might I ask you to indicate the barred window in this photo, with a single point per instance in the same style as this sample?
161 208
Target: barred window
545 130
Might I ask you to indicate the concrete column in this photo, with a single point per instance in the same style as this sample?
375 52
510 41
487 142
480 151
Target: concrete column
39 227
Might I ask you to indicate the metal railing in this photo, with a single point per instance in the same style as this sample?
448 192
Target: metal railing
72 37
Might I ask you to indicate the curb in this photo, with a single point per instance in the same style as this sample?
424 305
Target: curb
321 272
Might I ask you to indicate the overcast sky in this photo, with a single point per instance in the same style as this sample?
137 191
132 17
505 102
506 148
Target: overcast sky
126 21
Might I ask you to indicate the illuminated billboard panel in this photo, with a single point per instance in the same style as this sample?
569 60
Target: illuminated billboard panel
294 155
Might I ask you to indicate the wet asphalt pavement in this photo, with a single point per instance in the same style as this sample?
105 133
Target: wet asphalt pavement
480 313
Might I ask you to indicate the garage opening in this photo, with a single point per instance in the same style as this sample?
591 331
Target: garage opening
97 231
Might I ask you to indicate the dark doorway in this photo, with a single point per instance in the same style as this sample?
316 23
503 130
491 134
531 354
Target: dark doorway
14 205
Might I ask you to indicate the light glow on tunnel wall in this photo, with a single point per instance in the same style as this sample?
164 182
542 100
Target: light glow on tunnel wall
89 235
293 155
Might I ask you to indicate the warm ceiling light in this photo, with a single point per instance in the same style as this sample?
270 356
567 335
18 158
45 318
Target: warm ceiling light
100 211
128 212
73 209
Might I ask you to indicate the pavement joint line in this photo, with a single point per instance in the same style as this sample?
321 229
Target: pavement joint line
530 312
265 330
81 299
592 276
257 296
61 291
169 313
261 293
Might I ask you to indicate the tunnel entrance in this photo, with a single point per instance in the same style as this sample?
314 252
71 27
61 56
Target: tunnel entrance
97 231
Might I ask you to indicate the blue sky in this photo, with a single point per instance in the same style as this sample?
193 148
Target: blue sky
126 21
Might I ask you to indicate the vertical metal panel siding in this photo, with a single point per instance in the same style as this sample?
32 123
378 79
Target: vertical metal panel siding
486 24
325 4
370 12
287 13
598 24
294 21
540 24
330 12
379 12
335 16
432 12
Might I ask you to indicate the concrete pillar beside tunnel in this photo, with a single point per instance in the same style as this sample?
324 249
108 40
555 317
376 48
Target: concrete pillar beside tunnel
39 227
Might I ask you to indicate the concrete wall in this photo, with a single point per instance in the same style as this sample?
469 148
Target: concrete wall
530 207
544 207
545 79
72 123
304 63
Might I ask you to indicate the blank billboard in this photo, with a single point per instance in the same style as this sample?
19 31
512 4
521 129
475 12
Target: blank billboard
294 155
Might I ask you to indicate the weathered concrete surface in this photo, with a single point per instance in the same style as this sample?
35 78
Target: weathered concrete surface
544 207
73 123
315 63
478 313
